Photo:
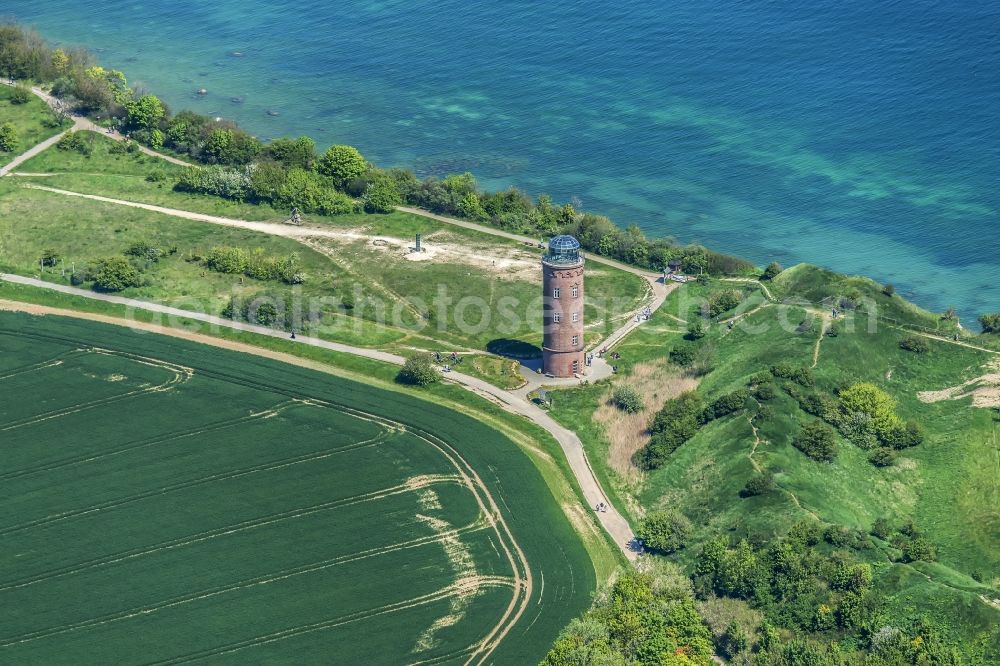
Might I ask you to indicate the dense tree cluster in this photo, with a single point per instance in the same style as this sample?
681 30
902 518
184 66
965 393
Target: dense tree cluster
255 264
646 618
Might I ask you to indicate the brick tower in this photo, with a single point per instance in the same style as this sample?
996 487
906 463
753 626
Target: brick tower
562 310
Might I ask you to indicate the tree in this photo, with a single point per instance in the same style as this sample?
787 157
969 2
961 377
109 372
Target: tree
300 152
817 440
146 112
116 274
311 193
59 62
664 532
49 258
888 289
722 301
627 398
758 484
226 146
418 371
771 271
990 322
695 330
343 164
382 194
8 138
866 398
471 208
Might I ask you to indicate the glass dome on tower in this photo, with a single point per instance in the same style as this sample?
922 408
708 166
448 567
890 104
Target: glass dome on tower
563 250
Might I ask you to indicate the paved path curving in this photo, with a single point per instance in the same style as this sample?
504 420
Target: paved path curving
612 521
79 123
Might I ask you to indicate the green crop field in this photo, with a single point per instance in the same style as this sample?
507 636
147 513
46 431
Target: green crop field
167 502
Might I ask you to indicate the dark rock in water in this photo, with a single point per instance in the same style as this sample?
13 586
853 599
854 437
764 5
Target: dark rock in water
187 80
131 59
202 73
236 100
273 113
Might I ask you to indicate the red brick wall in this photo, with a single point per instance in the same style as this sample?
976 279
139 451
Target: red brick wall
558 350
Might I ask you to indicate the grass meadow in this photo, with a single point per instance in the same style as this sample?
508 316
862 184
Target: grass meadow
221 505
399 308
30 121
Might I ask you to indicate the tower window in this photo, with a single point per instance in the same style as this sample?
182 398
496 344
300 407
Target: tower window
576 340
557 317
575 316
555 292
575 292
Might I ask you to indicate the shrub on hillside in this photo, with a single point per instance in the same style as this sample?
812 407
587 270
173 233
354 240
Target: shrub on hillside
311 193
683 355
418 371
882 457
143 250
799 374
75 142
915 344
758 484
866 398
232 260
8 138
771 271
381 194
817 440
627 398
990 322
217 180
766 391
695 330
664 532
723 301
342 164
675 423
725 405
888 289
116 274
21 94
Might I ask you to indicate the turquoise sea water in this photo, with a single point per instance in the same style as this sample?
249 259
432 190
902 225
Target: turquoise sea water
861 135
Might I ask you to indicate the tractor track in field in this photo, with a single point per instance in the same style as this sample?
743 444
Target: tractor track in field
227 530
247 583
202 429
192 483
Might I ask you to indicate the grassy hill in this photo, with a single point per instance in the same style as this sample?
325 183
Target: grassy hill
946 485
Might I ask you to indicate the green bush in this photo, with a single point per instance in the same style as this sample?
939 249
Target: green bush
675 423
116 274
664 532
723 301
381 194
232 260
627 399
758 484
990 322
725 405
695 330
683 355
342 164
882 457
817 440
8 138
418 371
21 94
801 375
143 250
766 391
915 343
76 142
771 271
